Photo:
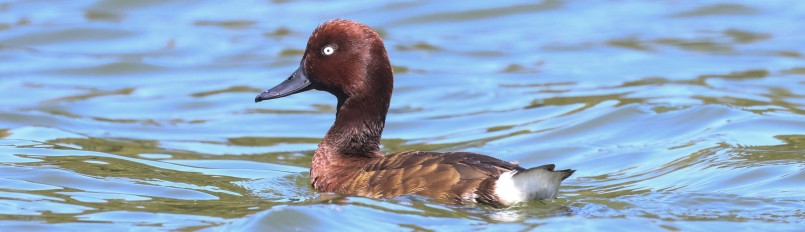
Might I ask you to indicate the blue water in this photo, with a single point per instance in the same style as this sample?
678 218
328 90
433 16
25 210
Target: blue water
139 115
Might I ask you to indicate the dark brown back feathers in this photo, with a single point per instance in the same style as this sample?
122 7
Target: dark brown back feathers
450 176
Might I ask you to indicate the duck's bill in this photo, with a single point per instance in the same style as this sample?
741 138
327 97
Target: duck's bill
297 83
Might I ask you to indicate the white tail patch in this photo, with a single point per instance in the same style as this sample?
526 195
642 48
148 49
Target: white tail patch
532 184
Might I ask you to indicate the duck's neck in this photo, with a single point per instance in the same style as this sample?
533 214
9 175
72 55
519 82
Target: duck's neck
358 127
352 142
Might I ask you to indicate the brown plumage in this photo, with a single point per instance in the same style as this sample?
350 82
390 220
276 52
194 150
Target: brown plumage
349 60
449 176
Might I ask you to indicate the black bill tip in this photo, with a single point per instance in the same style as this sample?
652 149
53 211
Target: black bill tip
259 98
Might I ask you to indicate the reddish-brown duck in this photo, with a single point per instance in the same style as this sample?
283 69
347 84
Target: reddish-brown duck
348 59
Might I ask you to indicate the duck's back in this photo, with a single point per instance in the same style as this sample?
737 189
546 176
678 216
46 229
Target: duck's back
460 177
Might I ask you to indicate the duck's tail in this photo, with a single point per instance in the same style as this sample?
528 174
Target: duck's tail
535 183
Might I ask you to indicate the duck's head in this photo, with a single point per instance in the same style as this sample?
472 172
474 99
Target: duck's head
343 57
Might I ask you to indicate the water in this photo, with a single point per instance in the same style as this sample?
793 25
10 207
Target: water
140 114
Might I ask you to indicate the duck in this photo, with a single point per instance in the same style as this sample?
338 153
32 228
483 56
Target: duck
349 60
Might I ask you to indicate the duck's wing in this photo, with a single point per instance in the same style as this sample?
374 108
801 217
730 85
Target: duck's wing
455 176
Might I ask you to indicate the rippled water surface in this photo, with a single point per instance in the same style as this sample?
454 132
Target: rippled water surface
678 115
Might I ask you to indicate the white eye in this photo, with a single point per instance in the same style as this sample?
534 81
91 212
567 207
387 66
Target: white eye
328 50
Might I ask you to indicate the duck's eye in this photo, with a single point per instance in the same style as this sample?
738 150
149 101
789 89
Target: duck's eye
328 50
